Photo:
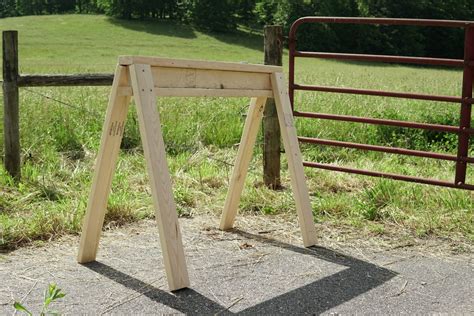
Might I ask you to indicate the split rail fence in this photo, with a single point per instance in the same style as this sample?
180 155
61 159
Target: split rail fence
13 80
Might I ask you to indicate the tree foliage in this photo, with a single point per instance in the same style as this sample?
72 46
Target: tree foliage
217 16
8 8
225 15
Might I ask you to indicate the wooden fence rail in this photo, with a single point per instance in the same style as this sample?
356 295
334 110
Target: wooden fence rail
65 80
13 80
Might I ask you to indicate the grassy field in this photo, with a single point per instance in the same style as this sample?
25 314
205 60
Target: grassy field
60 130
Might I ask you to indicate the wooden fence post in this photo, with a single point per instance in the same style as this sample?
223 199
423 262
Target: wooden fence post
273 43
10 103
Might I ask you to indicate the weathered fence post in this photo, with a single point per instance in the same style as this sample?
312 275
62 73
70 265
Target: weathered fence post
273 43
10 103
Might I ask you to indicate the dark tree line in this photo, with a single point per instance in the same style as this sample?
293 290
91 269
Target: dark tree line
225 15
400 40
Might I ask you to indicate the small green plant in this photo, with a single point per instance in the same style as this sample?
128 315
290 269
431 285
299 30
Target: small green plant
52 294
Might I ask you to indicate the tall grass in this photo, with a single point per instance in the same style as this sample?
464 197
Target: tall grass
60 139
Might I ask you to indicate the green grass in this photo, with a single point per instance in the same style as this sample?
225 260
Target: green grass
59 142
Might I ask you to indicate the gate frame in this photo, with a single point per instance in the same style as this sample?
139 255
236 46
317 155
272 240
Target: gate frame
466 100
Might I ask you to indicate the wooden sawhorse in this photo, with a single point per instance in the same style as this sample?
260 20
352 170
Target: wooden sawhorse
145 78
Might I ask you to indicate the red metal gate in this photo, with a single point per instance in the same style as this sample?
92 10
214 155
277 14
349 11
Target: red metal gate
466 100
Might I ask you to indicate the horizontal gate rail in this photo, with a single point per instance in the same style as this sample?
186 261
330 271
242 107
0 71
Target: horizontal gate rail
385 58
464 130
390 150
389 176
401 95
379 21
367 120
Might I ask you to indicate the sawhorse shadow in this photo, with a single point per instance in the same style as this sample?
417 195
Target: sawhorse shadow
186 301
317 297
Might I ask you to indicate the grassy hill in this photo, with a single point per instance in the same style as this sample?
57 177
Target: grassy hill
78 43
60 130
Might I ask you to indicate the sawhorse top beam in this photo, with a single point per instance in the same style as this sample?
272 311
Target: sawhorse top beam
197 78
196 64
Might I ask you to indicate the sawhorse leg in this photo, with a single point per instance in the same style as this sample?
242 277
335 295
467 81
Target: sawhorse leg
295 162
104 168
292 150
244 155
160 180
155 155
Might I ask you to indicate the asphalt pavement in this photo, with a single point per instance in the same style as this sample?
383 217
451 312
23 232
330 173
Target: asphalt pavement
259 268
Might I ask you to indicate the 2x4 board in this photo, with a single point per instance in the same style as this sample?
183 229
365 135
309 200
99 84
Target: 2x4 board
146 78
